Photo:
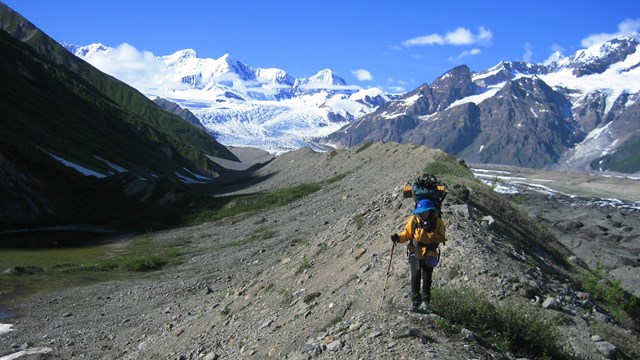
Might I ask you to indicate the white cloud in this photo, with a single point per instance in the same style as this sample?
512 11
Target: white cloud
464 54
557 48
557 52
528 52
459 36
128 64
395 86
362 75
627 27
433 39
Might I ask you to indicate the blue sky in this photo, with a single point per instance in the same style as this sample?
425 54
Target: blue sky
396 45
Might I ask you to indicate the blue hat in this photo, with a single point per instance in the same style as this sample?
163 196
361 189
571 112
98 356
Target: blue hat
423 205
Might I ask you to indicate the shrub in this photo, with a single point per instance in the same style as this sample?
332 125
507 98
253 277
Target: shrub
304 266
622 305
236 205
359 220
364 146
447 169
515 327
140 263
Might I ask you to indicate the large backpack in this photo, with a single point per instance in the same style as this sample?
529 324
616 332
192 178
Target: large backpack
426 186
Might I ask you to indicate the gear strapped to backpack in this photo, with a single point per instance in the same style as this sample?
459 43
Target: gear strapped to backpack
426 186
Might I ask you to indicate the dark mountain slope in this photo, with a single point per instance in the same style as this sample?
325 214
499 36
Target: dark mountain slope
526 124
577 113
72 154
49 112
188 139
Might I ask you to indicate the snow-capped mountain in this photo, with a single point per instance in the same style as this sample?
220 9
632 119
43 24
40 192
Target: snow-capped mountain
245 106
579 112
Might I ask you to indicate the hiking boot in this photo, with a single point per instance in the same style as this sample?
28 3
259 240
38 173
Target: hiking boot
426 309
415 308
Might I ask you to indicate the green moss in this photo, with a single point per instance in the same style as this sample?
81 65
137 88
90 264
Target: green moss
62 267
304 266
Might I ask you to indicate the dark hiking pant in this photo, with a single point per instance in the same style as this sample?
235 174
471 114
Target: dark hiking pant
420 271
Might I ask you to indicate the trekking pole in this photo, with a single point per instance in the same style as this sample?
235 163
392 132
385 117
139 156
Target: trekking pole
384 289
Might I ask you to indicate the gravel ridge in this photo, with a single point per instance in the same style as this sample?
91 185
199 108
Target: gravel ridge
312 285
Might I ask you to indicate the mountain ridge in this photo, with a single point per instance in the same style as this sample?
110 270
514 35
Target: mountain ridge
599 82
575 115
246 106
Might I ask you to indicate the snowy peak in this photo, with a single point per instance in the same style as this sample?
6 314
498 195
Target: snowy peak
507 70
323 77
230 65
599 57
274 75
327 76
200 73
85 51
177 57
595 59
257 107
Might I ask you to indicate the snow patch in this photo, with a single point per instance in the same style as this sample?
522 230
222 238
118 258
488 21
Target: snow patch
118 169
534 113
5 328
81 169
480 97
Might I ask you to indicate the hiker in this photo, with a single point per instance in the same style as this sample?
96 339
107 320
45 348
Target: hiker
425 230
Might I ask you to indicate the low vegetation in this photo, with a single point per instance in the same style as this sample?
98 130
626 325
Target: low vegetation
241 204
51 269
364 146
244 204
610 294
451 171
42 270
511 327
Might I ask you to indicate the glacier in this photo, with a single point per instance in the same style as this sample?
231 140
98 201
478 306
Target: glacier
244 106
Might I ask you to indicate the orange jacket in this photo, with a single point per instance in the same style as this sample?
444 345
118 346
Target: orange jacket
420 237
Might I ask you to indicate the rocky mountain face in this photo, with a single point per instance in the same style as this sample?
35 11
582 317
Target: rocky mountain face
319 278
576 113
181 112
